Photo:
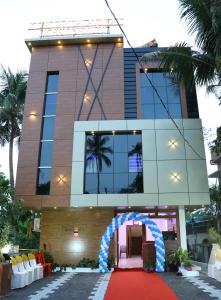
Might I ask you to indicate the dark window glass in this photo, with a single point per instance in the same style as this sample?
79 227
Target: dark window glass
135 183
120 143
52 85
168 91
50 104
160 112
148 111
134 142
91 186
107 170
48 128
46 154
106 183
121 183
120 163
44 180
175 110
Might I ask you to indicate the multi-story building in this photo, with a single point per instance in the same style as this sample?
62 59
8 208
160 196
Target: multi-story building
97 141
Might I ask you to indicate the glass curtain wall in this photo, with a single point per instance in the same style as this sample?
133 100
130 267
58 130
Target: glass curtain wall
113 163
169 91
47 136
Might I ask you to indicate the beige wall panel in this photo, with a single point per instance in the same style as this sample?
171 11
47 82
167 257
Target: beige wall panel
57 233
39 59
34 102
26 181
36 82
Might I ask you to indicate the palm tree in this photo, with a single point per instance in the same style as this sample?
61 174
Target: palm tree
96 154
202 67
12 97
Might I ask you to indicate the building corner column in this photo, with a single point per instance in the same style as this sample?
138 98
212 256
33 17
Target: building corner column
182 220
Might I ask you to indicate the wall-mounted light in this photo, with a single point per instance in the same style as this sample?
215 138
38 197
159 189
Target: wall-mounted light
175 177
92 132
88 41
113 131
86 98
61 179
145 70
119 39
134 131
76 232
59 42
29 44
173 144
88 62
32 115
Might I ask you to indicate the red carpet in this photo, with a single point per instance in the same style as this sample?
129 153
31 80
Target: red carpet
138 285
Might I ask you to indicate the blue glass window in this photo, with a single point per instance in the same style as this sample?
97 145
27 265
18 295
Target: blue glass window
111 160
151 105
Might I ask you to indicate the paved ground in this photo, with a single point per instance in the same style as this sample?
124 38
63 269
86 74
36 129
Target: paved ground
186 290
78 287
65 286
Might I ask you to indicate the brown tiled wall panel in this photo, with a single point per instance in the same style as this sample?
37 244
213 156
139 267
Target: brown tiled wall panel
72 81
57 233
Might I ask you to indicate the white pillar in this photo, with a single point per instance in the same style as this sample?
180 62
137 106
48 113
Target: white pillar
183 240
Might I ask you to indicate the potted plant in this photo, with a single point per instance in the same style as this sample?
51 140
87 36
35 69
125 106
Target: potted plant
150 267
178 257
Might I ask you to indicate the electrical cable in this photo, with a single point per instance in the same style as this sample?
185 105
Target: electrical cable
151 83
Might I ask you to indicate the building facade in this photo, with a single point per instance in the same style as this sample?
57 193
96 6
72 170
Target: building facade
97 141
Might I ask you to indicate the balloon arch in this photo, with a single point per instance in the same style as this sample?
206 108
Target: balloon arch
120 220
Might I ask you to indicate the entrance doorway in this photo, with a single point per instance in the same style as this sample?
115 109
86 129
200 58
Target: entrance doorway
133 235
130 239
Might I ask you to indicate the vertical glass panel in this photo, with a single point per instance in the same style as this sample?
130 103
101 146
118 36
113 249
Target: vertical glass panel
160 112
107 163
106 183
44 180
121 183
135 163
175 111
148 111
173 94
52 85
120 143
147 95
50 104
162 93
120 162
46 154
159 79
135 183
134 142
48 128
91 186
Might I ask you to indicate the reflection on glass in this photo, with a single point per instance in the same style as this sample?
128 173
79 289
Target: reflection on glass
46 154
96 154
48 128
169 93
109 171
50 105
52 85
44 180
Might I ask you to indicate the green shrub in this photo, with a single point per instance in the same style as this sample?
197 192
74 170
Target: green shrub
215 236
48 257
88 263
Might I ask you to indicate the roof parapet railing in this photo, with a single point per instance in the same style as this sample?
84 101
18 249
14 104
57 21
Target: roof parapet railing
73 28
